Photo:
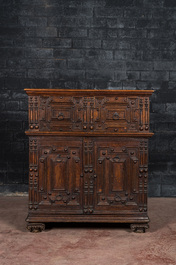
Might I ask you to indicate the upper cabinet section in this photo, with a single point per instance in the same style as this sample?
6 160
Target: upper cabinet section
103 111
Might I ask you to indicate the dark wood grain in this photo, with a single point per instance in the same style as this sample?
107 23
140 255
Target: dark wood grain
88 156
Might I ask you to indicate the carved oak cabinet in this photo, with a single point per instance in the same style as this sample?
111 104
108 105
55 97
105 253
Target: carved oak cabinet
88 156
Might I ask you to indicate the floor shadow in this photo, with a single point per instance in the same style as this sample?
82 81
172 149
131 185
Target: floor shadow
87 225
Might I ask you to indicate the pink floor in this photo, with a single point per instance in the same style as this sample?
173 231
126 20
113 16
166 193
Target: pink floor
87 245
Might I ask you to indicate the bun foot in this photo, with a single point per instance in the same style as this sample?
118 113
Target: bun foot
139 228
35 227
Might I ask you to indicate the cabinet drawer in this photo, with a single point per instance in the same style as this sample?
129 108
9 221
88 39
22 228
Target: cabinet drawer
89 114
120 114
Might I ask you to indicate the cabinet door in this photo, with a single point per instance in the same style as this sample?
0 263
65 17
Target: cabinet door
60 168
121 171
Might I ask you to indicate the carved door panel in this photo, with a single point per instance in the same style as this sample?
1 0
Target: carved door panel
65 113
117 114
60 169
117 185
55 113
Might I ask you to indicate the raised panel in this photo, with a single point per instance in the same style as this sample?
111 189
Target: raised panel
57 169
117 170
89 113
56 113
60 167
117 179
121 114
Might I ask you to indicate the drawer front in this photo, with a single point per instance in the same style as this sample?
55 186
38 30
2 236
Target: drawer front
89 114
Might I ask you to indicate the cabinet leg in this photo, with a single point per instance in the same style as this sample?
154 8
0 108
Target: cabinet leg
139 228
35 227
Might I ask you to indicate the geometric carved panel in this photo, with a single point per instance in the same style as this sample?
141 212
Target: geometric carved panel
60 167
116 166
89 114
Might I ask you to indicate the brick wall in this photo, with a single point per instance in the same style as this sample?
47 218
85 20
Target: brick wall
120 44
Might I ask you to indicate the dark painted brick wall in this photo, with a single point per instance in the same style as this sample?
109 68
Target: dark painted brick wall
120 44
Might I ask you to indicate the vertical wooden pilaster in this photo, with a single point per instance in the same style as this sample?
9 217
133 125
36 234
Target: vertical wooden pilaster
88 168
33 173
33 113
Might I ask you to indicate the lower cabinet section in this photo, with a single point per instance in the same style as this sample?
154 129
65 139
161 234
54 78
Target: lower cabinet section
88 179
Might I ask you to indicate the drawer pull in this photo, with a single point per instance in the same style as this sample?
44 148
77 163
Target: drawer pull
91 127
84 127
115 116
60 116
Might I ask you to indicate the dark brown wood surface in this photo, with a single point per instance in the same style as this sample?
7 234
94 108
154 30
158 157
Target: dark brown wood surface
88 156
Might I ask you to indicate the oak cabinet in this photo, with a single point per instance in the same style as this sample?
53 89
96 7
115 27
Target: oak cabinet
88 157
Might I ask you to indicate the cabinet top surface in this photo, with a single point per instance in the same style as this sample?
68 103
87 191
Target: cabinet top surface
36 91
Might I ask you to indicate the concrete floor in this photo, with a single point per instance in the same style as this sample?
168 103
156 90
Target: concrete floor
93 244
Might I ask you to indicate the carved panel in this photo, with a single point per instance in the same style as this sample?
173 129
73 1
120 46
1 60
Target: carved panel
89 114
60 169
33 173
117 166
144 114
56 113
143 176
89 175
33 113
